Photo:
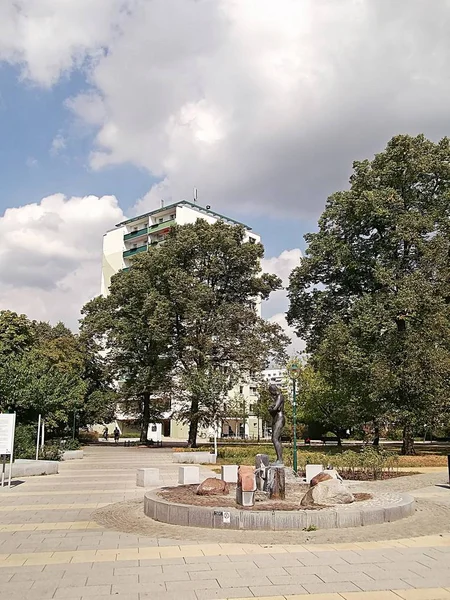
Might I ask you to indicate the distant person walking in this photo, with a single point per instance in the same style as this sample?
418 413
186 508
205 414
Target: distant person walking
105 433
116 435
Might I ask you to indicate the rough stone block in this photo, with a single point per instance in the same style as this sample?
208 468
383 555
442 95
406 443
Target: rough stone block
179 515
28 468
372 516
284 520
72 455
218 522
312 471
188 475
200 516
348 518
229 473
256 520
195 458
147 477
325 519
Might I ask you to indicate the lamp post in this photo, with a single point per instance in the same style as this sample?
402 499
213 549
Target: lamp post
294 368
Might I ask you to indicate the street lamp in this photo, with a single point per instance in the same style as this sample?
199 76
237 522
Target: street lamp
293 369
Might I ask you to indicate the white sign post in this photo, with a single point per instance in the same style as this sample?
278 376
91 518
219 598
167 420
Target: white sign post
7 429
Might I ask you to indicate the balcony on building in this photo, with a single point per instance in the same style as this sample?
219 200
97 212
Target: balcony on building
133 251
136 234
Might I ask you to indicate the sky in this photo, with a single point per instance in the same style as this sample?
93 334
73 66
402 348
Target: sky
107 107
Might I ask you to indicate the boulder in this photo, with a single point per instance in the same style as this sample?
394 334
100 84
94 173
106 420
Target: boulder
334 474
325 475
319 478
213 487
327 493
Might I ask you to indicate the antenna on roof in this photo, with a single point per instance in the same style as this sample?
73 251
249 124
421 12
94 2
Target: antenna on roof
195 194
162 203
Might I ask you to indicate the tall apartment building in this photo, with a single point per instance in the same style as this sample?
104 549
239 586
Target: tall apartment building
150 229
139 233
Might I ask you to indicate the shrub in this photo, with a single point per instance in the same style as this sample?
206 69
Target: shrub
70 444
25 441
88 437
50 452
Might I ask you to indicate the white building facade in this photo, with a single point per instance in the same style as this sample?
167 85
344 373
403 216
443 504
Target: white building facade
137 235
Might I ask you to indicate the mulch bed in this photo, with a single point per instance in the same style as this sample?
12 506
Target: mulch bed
186 494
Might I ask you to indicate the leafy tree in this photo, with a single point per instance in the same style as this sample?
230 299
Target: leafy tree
376 277
213 281
184 316
50 371
132 324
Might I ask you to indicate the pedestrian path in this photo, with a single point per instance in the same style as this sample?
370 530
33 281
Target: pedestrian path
51 548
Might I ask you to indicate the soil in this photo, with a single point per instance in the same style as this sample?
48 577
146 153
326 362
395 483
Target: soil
186 494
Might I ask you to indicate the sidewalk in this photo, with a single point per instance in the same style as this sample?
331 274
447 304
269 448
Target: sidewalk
50 548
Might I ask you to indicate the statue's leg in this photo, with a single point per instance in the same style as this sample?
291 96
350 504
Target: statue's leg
277 430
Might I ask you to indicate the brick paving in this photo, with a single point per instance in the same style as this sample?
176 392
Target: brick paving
51 547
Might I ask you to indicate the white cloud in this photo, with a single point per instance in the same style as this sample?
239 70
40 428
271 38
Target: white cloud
50 256
275 308
297 344
48 38
261 105
282 266
58 144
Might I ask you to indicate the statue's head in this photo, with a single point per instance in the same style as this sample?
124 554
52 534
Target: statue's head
273 389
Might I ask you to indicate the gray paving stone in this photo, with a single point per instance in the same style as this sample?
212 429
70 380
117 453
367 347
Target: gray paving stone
92 591
201 575
174 575
229 582
295 579
181 586
139 570
334 577
385 584
326 588
214 559
241 592
112 579
138 588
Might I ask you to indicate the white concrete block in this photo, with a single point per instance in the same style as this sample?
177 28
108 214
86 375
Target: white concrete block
147 477
188 475
229 473
312 471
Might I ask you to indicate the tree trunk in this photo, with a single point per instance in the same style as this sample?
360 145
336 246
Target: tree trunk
193 425
408 441
145 416
376 437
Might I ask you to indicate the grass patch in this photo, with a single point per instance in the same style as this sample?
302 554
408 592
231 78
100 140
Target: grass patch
342 459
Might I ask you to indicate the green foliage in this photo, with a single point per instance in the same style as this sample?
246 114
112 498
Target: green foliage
25 441
50 371
371 296
369 462
25 445
70 444
181 322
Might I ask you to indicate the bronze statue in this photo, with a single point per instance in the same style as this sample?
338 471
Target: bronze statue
278 420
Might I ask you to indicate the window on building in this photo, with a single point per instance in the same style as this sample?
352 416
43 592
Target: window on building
251 408
161 219
241 389
251 239
172 217
252 389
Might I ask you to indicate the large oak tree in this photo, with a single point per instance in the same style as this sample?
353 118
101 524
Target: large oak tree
375 284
